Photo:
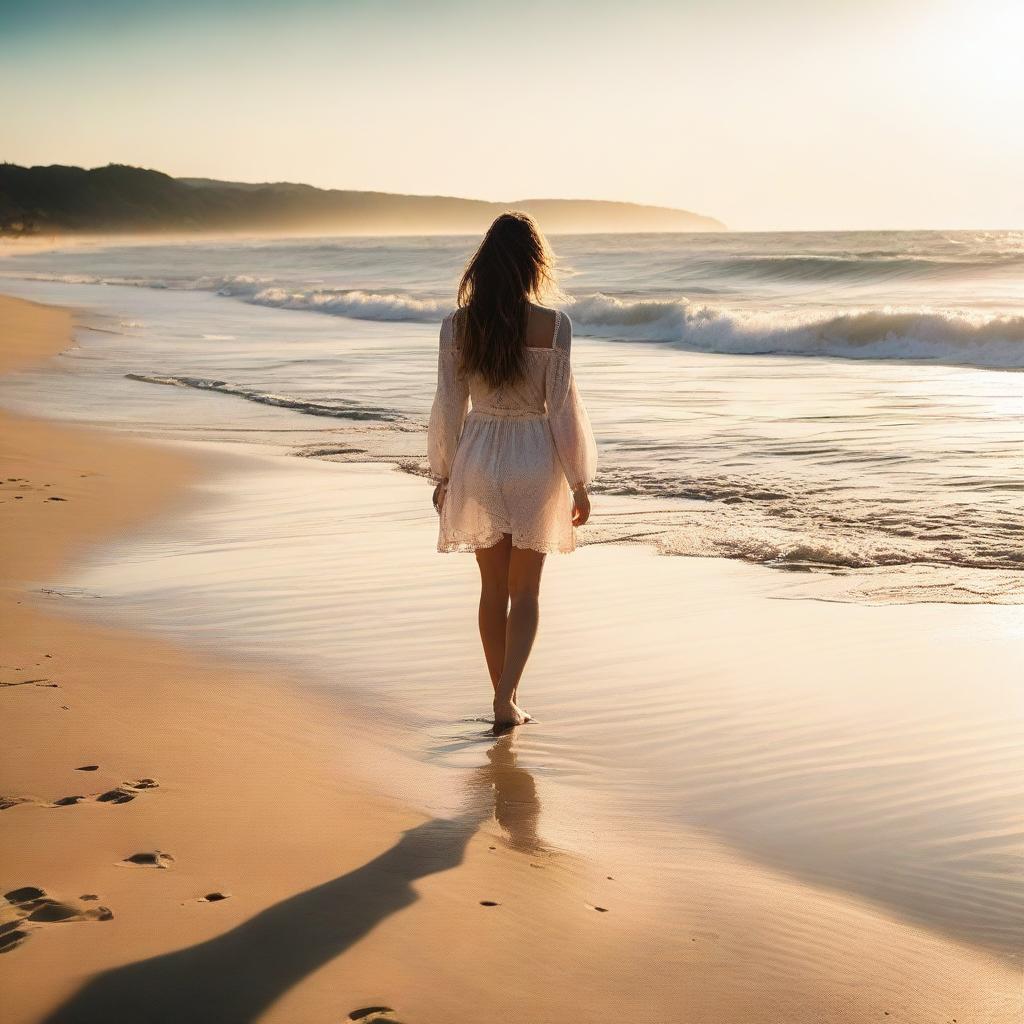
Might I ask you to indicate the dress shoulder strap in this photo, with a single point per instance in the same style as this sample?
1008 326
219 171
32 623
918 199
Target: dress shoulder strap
558 327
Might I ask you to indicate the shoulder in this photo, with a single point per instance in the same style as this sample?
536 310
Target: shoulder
563 331
547 327
557 317
547 313
449 327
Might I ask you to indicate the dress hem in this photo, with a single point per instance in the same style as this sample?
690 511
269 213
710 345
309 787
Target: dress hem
479 543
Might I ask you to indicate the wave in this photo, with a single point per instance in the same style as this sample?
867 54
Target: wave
859 266
995 342
958 339
948 338
339 408
790 527
355 304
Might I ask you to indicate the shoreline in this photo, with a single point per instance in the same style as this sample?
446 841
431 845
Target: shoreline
243 766
842 535
341 897
228 747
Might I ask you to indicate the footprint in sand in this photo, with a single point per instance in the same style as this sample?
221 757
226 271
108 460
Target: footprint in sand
11 935
155 859
122 794
369 1014
214 897
127 791
7 802
29 907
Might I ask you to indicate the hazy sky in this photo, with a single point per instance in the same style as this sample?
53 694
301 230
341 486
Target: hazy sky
764 113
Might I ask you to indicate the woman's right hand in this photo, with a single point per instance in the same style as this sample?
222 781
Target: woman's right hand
439 492
580 506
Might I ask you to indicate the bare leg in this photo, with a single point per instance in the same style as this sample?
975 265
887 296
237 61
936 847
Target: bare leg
524 569
493 564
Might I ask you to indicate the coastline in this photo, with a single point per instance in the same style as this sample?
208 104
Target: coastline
243 768
255 801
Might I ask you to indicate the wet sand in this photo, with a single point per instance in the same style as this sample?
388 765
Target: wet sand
231 779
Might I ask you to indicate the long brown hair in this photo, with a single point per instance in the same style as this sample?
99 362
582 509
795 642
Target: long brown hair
512 266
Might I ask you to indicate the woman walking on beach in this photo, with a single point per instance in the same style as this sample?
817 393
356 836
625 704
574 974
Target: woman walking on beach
513 471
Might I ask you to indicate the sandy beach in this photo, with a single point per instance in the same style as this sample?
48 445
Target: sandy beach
193 835
271 271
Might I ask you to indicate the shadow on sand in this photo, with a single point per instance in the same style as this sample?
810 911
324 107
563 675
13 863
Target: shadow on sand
235 977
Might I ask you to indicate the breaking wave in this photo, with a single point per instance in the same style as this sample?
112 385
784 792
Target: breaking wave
958 339
357 304
995 342
944 337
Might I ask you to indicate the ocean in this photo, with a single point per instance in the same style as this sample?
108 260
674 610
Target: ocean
832 423
847 405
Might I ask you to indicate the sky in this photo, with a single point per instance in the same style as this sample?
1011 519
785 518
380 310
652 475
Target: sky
767 114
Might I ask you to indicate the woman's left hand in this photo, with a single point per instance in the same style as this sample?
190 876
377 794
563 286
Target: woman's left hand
580 506
439 492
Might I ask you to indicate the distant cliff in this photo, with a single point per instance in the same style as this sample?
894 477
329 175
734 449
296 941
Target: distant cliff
131 200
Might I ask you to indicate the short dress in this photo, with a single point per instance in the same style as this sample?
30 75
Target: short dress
512 460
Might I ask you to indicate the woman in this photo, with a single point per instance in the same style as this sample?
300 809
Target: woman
513 473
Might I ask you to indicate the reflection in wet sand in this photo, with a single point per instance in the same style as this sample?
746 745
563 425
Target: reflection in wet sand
516 803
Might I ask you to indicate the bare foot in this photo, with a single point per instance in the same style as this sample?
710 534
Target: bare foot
506 713
515 700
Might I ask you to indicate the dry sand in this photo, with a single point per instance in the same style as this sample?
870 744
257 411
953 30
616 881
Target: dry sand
233 782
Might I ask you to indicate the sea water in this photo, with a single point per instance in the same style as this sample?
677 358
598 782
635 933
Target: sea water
835 403
838 416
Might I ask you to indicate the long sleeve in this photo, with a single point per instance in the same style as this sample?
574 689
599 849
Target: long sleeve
567 415
451 403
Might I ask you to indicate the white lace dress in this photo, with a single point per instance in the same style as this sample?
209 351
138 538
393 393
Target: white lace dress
512 459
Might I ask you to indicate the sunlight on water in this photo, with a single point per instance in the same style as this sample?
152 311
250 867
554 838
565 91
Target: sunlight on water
871 750
845 408
905 454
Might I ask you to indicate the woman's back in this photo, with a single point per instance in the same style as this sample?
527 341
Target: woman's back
527 395
541 326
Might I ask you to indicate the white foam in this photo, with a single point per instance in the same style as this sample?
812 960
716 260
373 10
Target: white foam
955 338
951 337
357 304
